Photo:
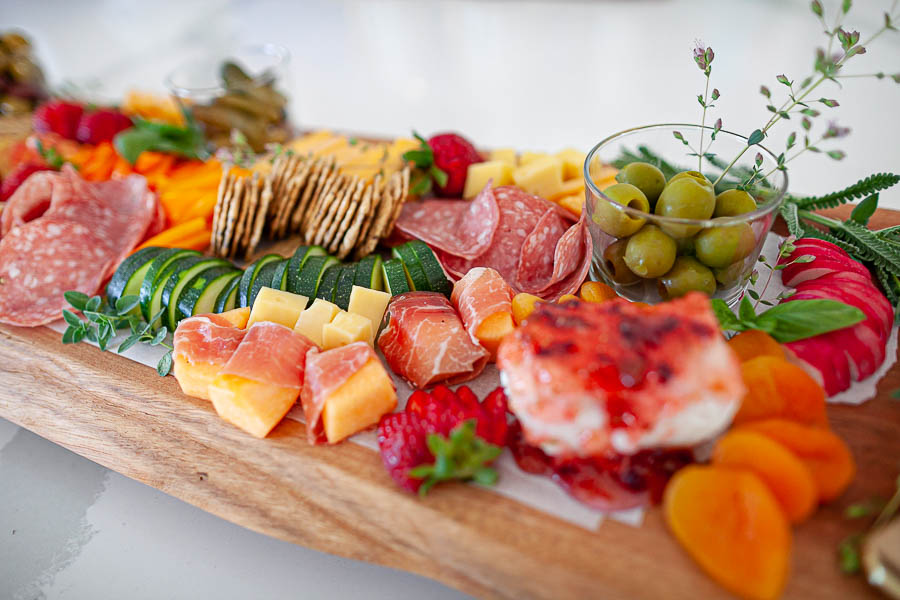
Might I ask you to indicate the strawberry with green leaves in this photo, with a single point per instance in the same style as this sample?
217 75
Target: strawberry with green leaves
442 163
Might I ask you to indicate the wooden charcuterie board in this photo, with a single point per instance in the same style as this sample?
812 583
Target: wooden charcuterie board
340 500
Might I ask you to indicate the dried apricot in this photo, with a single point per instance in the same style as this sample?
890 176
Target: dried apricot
523 305
752 343
824 453
787 477
594 291
778 388
732 525
567 297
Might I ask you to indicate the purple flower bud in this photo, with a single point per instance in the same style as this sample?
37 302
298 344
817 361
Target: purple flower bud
718 124
759 158
816 7
715 94
700 55
835 131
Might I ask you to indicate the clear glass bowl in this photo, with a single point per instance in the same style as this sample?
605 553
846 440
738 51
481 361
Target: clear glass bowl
612 225
240 91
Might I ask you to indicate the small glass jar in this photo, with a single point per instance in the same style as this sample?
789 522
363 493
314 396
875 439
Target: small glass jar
716 255
241 91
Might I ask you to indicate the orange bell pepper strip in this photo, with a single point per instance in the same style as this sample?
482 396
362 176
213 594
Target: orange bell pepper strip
173 236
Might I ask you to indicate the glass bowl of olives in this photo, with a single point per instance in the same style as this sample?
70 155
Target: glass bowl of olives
665 222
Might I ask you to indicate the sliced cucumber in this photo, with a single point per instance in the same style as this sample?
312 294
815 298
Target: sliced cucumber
200 293
127 279
157 267
311 274
329 283
156 300
249 276
368 273
264 279
178 281
227 298
279 277
344 286
414 271
437 280
395 281
295 265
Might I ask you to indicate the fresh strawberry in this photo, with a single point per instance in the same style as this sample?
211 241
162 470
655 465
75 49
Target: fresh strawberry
443 435
58 117
101 126
443 163
17 176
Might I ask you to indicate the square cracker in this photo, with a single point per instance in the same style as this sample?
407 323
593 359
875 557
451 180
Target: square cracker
292 165
354 229
245 215
290 196
333 219
252 199
318 205
265 198
402 193
378 198
220 209
344 217
327 209
231 217
312 195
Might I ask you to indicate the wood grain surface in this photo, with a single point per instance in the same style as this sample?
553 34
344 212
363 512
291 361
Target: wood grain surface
340 499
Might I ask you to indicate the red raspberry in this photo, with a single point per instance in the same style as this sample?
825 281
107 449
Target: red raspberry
57 117
453 154
101 126
402 439
18 176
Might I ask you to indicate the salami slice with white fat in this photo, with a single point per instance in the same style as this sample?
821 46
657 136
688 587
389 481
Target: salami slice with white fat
464 229
41 260
537 259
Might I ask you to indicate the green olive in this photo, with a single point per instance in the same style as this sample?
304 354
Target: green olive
732 203
614 264
644 176
685 198
650 252
730 275
718 247
685 246
686 275
611 218
695 175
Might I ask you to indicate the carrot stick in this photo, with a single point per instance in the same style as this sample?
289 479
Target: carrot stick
171 237
198 241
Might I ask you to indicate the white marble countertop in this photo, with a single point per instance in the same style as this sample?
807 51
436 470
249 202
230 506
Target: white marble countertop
531 75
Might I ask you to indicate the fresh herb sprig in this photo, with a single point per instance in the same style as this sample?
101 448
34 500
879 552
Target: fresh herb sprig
791 321
187 141
102 321
462 455
850 547
426 170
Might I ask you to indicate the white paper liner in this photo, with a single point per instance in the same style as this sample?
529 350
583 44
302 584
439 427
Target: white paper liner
537 491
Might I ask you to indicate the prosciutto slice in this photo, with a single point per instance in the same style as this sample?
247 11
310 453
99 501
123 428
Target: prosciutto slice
425 341
255 359
325 373
480 294
207 339
464 229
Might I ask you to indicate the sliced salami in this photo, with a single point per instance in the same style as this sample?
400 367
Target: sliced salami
41 260
536 261
464 229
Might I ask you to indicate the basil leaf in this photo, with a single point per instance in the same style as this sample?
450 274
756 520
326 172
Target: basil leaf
746 312
727 320
78 300
801 319
165 364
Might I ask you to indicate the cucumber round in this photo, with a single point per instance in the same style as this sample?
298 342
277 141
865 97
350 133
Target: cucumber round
369 274
296 263
264 279
311 274
395 281
127 279
250 273
434 272
200 293
279 277
158 267
178 281
344 286
414 271
227 298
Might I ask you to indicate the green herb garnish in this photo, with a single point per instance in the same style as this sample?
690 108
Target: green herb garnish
423 160
462 455
102 321
850 547
185 141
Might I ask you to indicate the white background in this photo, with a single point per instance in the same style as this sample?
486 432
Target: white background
530 75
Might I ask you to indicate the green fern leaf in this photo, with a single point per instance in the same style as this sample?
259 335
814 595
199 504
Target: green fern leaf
862 188
790 216
891 285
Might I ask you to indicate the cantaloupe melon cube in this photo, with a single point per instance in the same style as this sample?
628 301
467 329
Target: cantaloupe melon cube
529 157
238 317
194 378
311 320
570 187
573 204
492 331
344 329
478 175
277 306
523 305
507 155
573 163
358 403
252 406
541 177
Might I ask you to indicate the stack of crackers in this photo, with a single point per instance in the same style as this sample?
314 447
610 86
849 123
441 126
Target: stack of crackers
310 197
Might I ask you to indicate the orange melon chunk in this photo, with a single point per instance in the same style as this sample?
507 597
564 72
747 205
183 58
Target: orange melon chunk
249 405
493 329
359 402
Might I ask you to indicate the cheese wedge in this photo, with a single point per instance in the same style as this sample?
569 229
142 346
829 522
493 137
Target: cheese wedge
507 155
344 329
541 177
529 157
277 306
498 172
313 319
573 163
359 402
371 304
